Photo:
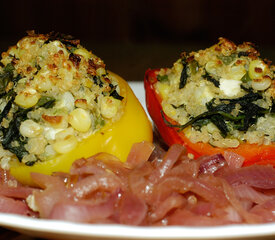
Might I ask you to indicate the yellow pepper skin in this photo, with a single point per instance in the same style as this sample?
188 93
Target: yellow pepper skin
115 138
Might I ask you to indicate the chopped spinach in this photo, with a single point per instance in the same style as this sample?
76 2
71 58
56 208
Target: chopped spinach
251 112
37 66
162 78
9 68
6 77
246 99
114 93
184 75
6 109
220 123
224 106
272 110
221 115
246 78
97 80
245 88
20 150
99 121
46 102
30 163
12 134
180 106
200 123
194 67
209 78
71 48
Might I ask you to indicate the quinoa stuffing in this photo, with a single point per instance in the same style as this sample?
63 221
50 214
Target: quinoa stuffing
223 95
53 94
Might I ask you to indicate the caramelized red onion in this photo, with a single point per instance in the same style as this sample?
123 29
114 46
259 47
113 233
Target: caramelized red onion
13 195
153 188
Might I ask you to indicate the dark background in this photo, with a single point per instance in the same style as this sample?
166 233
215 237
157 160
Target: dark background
131 36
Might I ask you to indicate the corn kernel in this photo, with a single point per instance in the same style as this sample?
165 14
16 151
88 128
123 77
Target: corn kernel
80 120
49 152
42 81
67 77
27 98
66 101
65 145
61 135
109 107
261 84
29 128
257 68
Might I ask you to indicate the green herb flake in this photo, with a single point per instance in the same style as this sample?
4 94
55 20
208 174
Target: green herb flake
228 59
162 78
194 67
246 78
46 102
99 121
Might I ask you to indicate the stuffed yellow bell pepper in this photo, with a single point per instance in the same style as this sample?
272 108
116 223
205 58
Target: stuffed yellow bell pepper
59 103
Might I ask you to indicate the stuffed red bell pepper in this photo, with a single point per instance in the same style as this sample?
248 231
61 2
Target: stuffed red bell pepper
216 100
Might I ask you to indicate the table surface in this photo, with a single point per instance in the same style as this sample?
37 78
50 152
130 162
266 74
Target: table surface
11 235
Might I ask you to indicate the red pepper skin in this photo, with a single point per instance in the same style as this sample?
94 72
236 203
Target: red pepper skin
253 153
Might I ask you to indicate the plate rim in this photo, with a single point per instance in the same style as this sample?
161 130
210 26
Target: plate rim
235 231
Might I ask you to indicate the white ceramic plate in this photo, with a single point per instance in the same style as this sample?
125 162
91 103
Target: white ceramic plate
67 230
